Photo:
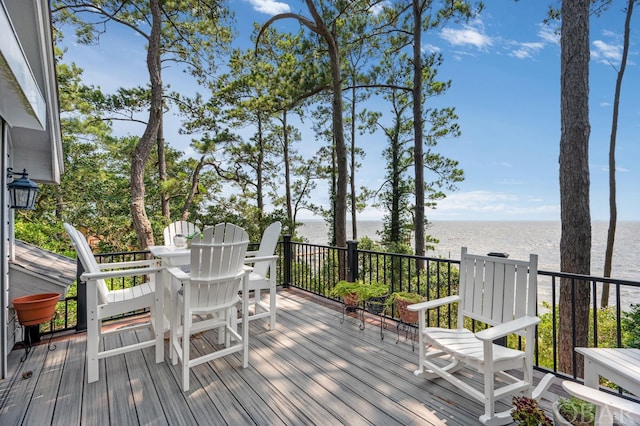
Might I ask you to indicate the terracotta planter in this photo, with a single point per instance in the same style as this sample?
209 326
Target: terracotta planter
35 308
351 300
406 315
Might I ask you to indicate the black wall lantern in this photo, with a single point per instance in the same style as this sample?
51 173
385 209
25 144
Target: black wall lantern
23 191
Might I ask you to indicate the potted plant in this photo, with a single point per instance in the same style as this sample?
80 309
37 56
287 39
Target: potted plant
573 411
374 294
190 238
402 299
348 291
352 293
526 412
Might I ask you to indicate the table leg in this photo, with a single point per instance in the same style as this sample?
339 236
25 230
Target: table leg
591 376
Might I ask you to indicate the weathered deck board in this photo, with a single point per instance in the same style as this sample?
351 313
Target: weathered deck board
45 392
310 370
68 411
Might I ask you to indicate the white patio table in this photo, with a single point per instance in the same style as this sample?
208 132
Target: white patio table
620 365
171 255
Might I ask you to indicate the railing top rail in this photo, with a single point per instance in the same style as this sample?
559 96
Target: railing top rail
581 277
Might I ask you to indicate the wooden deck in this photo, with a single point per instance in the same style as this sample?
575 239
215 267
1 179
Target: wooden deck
310 370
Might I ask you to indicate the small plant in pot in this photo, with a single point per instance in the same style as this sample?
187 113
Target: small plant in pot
526 412
374 294
402 299
574 411
352 293
348 291
190 238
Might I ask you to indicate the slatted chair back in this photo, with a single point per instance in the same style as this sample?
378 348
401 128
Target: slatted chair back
267 248
495 290
179 227
217 266
88 260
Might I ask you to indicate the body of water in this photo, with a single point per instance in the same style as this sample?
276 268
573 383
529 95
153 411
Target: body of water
517 238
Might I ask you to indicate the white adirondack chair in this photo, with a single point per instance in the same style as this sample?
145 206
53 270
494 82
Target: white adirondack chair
263 276
610 409
501 293
208 296
179 227
103 303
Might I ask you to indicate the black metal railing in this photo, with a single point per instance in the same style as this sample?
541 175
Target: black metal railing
317 269
313 268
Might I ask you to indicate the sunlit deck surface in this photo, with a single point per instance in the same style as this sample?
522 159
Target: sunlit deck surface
310 370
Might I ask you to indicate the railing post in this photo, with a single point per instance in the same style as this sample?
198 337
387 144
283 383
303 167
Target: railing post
352 261
286 241
81 304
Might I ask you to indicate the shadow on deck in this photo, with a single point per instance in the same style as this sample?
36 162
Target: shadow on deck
310 370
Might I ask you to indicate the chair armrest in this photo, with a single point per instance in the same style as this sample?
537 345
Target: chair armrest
119 274
504 329
430 304
129 264
600 398
179 274
260 259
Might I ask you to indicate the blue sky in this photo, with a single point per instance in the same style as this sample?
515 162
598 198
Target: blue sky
505 72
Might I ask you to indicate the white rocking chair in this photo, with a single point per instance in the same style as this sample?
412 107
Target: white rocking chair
209 294
501 293
263 276
103 303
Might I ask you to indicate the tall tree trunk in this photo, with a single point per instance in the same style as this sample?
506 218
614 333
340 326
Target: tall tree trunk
287 171
143 149
396 175
259 171
341 148
195 181
575 240
340 213
613 209
417 130
319 27
352 175
162 171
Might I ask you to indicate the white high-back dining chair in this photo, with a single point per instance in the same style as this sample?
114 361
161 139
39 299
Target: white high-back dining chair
263 276
179 227
208 296
102 303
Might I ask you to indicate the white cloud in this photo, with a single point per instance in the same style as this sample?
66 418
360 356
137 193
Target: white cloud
487 205
549 35
619 169
503 164
270 7
606 53
432 48
527 50
472 34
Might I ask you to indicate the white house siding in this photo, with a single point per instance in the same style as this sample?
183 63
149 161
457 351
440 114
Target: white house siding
30 119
